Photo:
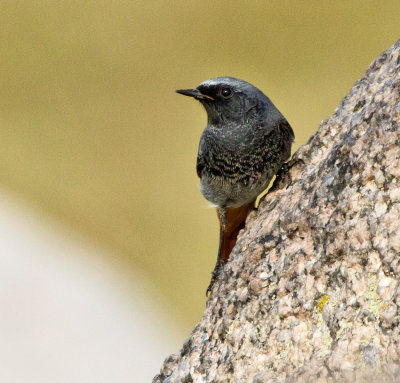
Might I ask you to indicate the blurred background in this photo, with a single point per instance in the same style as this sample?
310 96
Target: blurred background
106 244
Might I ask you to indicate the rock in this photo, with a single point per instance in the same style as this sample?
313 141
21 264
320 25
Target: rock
321 302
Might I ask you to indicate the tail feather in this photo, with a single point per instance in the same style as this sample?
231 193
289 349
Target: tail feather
235 219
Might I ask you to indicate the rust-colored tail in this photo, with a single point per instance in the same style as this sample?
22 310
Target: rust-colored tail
231 221
234 222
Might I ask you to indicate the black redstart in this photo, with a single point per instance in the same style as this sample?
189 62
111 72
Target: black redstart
245 143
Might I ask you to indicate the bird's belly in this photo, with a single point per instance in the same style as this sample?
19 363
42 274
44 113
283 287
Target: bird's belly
228 192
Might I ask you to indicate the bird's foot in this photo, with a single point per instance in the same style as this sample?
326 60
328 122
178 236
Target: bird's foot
283 174
214 277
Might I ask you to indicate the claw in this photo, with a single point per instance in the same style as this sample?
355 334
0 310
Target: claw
214 277
283 173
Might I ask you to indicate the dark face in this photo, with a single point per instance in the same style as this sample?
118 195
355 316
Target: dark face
226 99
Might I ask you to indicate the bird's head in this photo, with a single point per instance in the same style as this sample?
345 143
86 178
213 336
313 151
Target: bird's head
228 99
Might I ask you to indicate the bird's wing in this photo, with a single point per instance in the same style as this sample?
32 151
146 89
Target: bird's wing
200 158
277 142
286 130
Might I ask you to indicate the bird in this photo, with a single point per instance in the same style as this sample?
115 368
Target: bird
245 143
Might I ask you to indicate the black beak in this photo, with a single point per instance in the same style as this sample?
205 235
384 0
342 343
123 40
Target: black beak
194 93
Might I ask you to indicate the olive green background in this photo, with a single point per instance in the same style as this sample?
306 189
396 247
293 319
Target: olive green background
92 132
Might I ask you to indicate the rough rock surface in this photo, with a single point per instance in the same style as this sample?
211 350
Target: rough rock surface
311 293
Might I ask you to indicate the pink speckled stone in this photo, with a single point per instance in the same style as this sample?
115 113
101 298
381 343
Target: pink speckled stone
311 292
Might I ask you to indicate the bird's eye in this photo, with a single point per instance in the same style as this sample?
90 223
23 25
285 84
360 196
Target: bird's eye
226 92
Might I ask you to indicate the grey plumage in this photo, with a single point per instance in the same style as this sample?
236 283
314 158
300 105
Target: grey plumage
245 142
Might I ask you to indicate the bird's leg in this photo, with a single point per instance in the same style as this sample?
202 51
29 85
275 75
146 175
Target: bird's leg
222 227
231 220
284 174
